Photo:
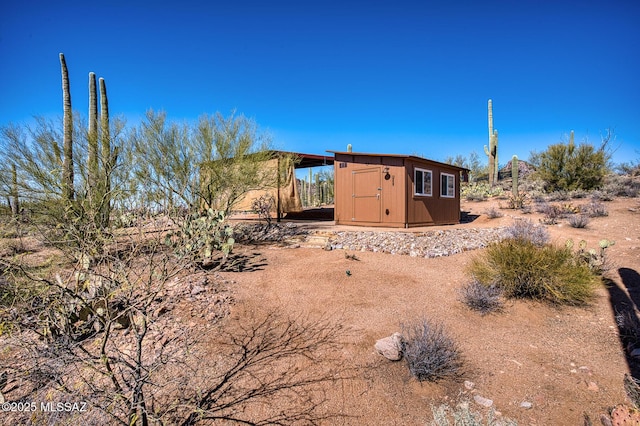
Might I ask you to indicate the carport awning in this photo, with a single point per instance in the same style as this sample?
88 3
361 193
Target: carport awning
309 160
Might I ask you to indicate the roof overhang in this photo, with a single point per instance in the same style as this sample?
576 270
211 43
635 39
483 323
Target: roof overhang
365 154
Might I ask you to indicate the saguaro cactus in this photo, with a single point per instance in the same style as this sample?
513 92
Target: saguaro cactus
67 162
92 136
109 157
492 150
514 176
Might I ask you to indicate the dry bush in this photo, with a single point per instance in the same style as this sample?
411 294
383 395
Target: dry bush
481 298
595 209
463 415
522 269
430 352
493 213
524 229
579 221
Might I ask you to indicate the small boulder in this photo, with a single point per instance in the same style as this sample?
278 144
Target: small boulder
485 402
390 347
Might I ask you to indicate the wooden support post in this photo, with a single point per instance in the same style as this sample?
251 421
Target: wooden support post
278 204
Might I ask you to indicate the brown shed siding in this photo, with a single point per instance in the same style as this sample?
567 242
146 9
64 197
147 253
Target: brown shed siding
434 209
364 196
378 190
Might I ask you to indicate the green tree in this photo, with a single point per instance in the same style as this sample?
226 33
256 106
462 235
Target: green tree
212 164
567 166
233 160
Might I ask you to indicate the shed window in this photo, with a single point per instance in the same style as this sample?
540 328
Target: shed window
447 185
422 179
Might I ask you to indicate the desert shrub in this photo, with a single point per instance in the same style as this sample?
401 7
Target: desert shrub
481 298
551 213
568 166
578 194
621 186
526 209
526 230
462 415
493 213
263 206
431 354
559 196
578 221
632 389
595 209
517 201
524 270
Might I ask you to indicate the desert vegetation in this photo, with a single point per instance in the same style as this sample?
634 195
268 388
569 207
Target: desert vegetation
112 234
125 220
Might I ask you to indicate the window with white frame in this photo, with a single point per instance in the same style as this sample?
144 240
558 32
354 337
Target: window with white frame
422 179
447 185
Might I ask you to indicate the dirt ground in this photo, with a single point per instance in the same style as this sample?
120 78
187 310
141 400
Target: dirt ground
565 361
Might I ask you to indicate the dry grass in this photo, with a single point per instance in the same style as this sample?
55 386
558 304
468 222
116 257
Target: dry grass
523 270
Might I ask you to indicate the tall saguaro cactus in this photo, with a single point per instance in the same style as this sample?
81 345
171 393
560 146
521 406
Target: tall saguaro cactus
67 163
492 150
92 136
514 176
108 157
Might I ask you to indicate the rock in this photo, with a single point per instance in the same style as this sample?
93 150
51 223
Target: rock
163 309
526 405
390 347
197 290
592 386
468 385
485 402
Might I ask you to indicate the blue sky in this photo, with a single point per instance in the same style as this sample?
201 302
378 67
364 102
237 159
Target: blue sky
406 77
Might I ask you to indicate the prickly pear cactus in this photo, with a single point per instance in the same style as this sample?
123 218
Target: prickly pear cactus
623 415
203 239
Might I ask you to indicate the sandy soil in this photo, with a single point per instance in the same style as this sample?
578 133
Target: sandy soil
566 361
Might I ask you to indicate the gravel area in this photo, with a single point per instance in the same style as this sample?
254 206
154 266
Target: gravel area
435 243
424 244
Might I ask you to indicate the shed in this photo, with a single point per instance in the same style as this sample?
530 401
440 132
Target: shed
395 190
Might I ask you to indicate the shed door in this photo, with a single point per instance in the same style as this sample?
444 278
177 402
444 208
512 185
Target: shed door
366 195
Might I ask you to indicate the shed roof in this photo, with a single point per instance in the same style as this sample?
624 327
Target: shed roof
307 160
413 157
